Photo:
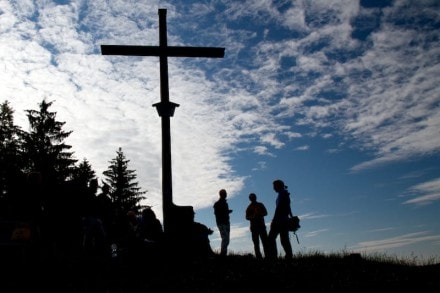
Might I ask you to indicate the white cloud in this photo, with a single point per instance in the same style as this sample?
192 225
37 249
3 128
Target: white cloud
261 150
303 148
271 139
391 87
426 192
394 242
261 165
315 233
294 19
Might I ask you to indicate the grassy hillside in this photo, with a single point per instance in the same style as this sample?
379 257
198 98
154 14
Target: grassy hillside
234 273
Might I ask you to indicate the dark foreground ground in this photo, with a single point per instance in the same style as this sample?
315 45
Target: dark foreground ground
236 273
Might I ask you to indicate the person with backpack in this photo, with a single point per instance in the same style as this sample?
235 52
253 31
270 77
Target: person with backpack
279 224
255 213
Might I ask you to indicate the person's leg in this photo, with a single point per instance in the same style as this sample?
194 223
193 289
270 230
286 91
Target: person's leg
224 234
256 241
227 238
285 242
264 241
271 242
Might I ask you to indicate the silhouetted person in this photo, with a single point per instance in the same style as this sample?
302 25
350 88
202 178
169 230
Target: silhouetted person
132 243
255 213
141 248
30 204
36 207
93 241
29 208
105 210
221 212
118 227
278 225
151 233
200 244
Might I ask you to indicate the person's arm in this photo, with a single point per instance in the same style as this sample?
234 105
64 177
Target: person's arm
248 214
264 210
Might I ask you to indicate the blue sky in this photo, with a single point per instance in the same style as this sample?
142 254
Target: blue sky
340 99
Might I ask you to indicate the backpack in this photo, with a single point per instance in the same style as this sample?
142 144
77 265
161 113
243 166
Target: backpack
293 225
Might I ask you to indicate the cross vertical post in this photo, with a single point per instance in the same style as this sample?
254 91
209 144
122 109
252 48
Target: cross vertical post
165 108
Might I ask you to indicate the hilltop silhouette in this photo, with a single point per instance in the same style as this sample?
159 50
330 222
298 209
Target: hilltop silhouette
234 273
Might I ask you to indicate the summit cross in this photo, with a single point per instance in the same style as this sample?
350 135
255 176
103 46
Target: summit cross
165 108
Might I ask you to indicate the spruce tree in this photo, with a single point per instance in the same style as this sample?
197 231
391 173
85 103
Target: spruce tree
125 192
47 152
83 173
10 155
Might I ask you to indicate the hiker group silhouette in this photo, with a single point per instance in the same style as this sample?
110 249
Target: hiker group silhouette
147 232
74 223
255 213
84 224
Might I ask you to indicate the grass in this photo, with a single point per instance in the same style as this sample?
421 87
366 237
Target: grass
316 272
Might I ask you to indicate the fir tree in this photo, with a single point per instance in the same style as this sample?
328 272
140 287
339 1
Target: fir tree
126 194
83 173
10 154
47 152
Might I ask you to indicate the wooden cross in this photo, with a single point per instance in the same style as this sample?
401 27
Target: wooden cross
165 108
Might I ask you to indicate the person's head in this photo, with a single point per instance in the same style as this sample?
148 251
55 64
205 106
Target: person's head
131 216
148 214
252 197
222 193
278 185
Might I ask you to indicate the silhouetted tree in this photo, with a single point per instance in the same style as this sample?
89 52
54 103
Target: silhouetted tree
10 155
125 193
44 144
83 173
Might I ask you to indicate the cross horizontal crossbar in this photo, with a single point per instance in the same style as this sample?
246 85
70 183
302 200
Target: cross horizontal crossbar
170 51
